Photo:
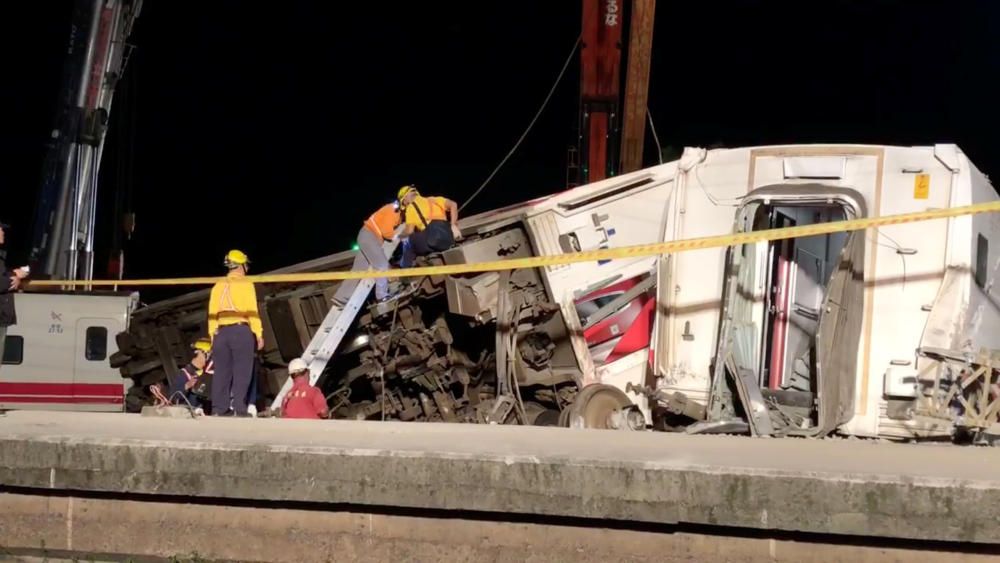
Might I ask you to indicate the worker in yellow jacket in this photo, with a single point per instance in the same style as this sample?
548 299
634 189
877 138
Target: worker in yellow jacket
431 224
234 326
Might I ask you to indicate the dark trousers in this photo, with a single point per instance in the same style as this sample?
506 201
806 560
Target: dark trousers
192 399
437 237
254 382
177 386
233 353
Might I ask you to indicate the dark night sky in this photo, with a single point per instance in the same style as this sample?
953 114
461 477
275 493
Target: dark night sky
326 109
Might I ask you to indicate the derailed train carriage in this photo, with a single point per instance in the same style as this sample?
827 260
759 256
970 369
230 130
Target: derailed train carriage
880 333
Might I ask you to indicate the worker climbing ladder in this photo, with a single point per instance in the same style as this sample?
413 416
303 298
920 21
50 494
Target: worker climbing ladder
327 338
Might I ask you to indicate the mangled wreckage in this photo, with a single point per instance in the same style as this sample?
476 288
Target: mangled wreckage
881 333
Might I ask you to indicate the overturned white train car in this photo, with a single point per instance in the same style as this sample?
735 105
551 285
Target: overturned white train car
807 336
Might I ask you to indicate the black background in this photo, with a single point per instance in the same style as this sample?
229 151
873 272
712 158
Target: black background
277 127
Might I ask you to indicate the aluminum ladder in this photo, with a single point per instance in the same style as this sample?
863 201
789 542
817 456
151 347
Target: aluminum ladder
331 332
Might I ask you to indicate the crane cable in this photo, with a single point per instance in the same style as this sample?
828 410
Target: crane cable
552 90
659 149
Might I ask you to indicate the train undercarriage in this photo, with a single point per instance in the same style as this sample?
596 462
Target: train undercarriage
486 348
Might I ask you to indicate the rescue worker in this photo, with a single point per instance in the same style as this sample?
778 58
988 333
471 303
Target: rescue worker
378 228
233 324
303 400
185 381
431 224
10 282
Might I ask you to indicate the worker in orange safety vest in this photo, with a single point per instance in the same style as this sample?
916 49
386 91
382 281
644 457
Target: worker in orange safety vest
378 228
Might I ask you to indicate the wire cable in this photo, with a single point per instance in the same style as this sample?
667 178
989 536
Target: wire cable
733 202
552 90
659 149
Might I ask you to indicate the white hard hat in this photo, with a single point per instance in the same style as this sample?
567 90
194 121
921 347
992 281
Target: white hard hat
297 365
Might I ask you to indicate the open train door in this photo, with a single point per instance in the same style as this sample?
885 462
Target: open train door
735 390
838 336
790 324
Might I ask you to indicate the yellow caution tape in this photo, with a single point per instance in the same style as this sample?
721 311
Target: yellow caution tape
637 251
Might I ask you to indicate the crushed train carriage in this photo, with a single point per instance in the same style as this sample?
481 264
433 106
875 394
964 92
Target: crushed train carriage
873 333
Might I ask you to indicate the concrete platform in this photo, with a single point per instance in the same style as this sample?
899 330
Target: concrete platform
923 492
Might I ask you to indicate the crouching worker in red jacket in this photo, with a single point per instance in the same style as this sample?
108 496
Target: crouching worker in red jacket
302 400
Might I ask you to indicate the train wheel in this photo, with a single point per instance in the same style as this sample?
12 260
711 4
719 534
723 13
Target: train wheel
604 407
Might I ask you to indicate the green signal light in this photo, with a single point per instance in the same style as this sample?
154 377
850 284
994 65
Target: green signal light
355 246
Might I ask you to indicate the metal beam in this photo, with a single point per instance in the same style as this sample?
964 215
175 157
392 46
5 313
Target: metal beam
618 302
640 45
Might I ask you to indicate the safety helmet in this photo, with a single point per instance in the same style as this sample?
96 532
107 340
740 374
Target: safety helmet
203 345
298 365
236 258
404 191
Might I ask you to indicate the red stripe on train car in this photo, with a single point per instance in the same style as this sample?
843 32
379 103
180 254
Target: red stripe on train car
88 389
61 400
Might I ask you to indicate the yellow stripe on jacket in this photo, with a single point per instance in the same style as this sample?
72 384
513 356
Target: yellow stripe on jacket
232 302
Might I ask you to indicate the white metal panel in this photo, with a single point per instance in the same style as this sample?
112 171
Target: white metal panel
710 184
621 220
544 234
900 381
857 171
903 282
982 327
814 167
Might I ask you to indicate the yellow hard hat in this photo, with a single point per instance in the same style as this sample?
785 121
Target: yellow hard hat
203 344
405 190
236 257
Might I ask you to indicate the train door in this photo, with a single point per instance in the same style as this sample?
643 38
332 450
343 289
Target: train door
790 349
96 386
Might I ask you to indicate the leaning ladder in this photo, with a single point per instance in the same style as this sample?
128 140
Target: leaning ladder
331 332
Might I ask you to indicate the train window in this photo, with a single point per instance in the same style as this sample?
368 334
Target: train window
585 309
97 344
982 260
13 350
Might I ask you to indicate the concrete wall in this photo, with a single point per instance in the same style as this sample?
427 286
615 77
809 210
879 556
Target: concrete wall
636 481
108 529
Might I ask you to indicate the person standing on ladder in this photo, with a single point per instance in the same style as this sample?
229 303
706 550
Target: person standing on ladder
378 228
234 325
428 228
